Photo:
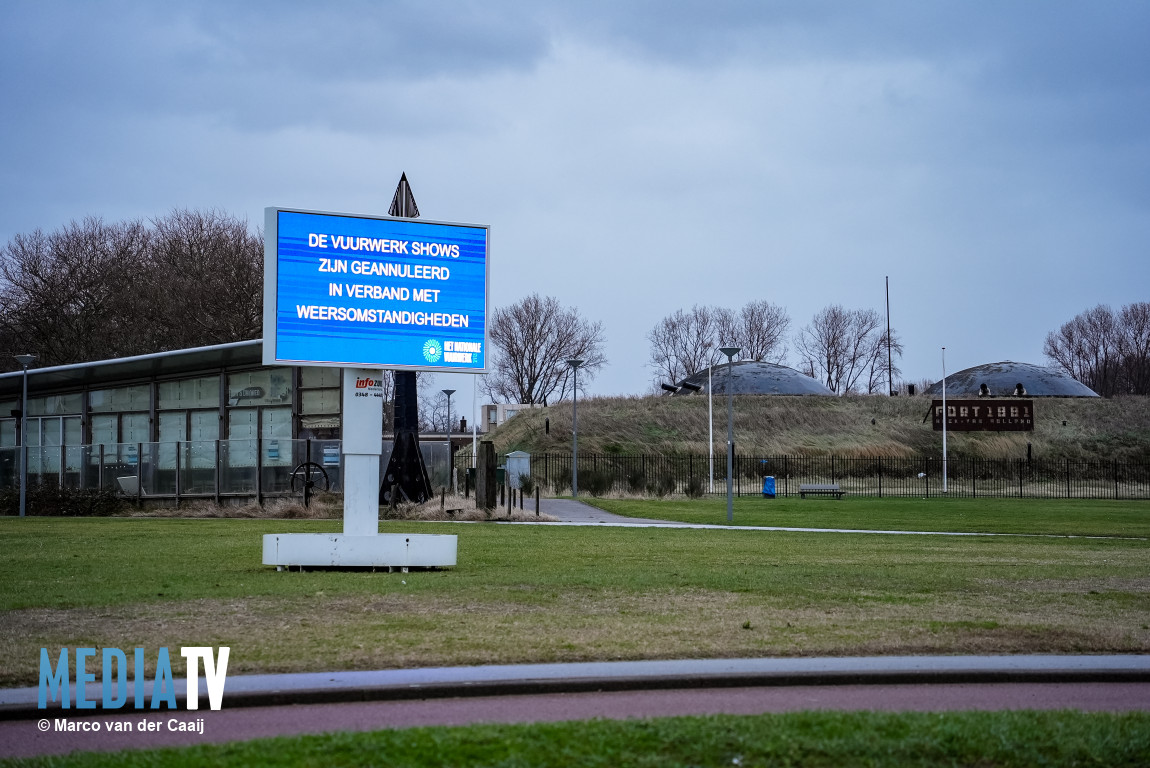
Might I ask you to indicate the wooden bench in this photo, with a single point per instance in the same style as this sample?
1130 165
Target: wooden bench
820 489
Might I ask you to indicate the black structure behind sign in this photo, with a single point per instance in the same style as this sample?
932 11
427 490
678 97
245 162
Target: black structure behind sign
405 469
984 415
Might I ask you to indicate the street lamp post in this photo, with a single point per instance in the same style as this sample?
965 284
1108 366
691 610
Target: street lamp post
575 363
25 361
450 463
730 352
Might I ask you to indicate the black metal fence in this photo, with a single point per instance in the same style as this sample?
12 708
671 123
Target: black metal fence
659 476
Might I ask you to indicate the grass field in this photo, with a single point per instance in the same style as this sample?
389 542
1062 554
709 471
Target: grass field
538 593
999 739
1027 516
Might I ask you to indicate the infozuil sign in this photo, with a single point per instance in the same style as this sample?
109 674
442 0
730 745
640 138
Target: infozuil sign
374 292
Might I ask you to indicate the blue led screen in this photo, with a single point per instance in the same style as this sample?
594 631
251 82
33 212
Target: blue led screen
386 293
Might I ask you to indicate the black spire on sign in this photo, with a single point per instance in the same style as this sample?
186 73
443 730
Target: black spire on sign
403 204
406 474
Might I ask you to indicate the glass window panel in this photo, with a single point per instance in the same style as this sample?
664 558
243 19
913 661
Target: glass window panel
73 431
7 406
205 425
7 432
105 429
242 423
33 432
319 377
173 426
319 401
203 392
134 428
120 399
50 431
53 405
268 386
277 423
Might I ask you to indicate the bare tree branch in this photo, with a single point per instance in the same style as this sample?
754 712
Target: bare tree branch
532 340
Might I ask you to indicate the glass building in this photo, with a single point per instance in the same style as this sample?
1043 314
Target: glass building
204 422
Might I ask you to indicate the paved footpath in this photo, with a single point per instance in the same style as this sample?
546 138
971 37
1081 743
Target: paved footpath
572 512
270 705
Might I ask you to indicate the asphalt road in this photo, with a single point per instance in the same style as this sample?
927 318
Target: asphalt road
25 738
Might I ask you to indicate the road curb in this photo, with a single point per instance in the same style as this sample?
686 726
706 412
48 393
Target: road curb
457 682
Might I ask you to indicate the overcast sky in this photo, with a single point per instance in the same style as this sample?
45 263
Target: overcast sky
632 158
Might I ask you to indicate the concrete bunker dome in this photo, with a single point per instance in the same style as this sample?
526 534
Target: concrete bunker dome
1003 379
749 377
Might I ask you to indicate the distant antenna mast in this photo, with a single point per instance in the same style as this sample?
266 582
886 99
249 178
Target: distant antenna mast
889 366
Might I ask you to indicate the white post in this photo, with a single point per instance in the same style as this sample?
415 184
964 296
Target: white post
944 419
362 446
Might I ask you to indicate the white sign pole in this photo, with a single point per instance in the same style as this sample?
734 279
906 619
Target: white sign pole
362 447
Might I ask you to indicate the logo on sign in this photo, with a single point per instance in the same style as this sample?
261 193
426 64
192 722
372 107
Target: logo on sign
367 383
432 351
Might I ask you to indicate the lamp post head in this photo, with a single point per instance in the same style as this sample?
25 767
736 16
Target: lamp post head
25 360
730 352
448 392
574 362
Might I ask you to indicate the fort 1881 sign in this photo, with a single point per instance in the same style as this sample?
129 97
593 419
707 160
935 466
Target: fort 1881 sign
989 415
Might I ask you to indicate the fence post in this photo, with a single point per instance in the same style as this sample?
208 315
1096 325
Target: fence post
973 479
1115 479
880 478
1068 478
218 471
1020 478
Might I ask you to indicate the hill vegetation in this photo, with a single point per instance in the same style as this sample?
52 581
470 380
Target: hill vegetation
851 426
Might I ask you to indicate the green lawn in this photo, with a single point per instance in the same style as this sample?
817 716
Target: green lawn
524 594
999 739
1053 516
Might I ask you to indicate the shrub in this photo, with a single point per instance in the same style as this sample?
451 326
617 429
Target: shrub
636 481
527 484
598 482
663 486
49 499
694 488
562 481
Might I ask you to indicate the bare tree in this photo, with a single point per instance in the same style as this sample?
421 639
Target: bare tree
70 295
1134 347
683 343
531 342
1108 352
841 347
686 342
759 329
205 281
880 378
92 290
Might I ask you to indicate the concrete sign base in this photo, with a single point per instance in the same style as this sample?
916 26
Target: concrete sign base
391 550
360 545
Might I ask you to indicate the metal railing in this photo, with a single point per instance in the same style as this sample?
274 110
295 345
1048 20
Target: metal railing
261 467
204 469
687 475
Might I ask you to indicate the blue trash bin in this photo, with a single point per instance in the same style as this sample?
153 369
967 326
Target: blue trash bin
768 487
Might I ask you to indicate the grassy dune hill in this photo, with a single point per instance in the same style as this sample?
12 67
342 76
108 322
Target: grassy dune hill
773 425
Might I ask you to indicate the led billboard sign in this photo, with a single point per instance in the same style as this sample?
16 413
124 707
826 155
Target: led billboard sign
374 292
